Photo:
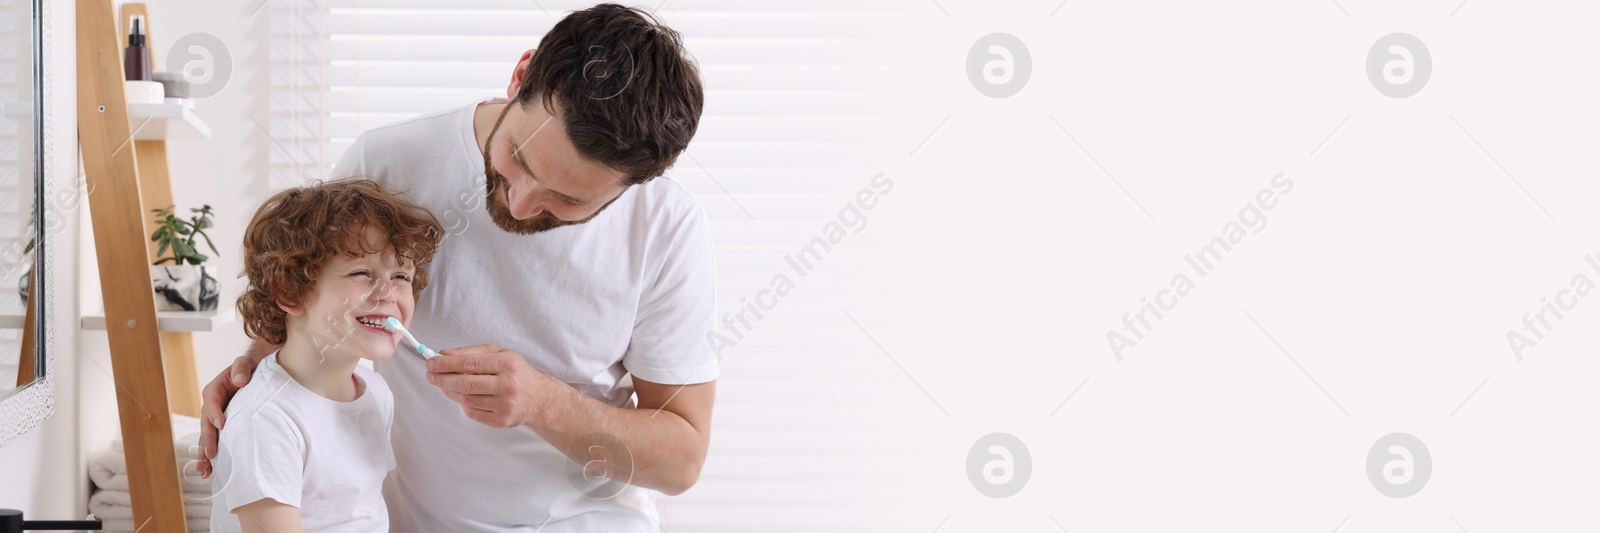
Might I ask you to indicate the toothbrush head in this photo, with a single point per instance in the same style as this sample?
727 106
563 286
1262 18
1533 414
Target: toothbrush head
392 325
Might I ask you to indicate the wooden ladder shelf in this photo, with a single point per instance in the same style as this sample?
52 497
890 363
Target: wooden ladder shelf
151 382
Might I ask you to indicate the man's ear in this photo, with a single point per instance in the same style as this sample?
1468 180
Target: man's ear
291 311
516 74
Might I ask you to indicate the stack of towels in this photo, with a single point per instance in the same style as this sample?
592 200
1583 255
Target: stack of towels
110 501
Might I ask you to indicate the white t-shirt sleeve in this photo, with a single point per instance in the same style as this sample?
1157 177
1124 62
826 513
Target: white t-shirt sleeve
671 334
352 164
267 459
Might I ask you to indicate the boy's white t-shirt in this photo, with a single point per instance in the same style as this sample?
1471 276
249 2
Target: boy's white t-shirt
326 457
632 291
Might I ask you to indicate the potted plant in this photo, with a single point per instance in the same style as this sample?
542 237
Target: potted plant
184 284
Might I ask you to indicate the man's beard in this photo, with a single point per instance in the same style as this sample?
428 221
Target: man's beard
499 208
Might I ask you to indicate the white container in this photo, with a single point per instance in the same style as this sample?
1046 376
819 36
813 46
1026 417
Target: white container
184 288
144 92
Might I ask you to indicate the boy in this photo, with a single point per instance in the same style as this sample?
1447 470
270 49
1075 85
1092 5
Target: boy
307 444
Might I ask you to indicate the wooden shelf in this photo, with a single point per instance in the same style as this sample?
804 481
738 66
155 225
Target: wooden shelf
154 370
173 120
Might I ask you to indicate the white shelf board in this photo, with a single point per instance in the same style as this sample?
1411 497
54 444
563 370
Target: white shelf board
165 320
173 320
174 119
10 320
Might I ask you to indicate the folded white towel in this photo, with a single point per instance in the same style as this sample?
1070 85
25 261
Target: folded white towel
119 504
126 525
185 436
109 470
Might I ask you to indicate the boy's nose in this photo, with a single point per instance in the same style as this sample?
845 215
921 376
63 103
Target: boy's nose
384 292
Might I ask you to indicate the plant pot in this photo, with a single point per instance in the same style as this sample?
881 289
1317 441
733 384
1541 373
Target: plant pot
22 285
183 288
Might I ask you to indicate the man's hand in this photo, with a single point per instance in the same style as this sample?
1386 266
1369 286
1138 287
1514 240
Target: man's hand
666 436
496 387
214 400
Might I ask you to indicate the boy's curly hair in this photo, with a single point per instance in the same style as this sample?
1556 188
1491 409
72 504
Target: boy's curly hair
299 230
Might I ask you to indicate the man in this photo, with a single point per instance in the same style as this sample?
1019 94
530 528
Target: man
577 283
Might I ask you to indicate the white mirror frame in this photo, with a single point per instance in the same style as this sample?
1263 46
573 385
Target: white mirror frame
26 407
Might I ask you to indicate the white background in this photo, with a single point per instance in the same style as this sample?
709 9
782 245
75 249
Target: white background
1391 273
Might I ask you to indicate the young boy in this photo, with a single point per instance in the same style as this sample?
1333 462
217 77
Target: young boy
307 442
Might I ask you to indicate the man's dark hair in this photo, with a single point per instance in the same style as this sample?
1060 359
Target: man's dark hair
630 96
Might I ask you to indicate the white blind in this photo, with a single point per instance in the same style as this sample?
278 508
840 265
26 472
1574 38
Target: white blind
805 103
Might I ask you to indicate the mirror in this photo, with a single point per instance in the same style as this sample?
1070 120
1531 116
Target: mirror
17 187
25 385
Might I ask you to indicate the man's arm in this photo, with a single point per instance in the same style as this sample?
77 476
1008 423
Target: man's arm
267 515
215 397
666 436
660 445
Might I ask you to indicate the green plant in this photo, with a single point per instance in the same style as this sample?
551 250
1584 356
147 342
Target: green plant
179 235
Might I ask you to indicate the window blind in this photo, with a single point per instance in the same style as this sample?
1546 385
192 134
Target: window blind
805 103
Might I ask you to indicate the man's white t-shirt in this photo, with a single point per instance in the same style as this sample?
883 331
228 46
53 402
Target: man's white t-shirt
632 291
326 457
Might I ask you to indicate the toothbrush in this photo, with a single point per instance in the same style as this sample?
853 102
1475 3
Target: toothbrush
392 325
